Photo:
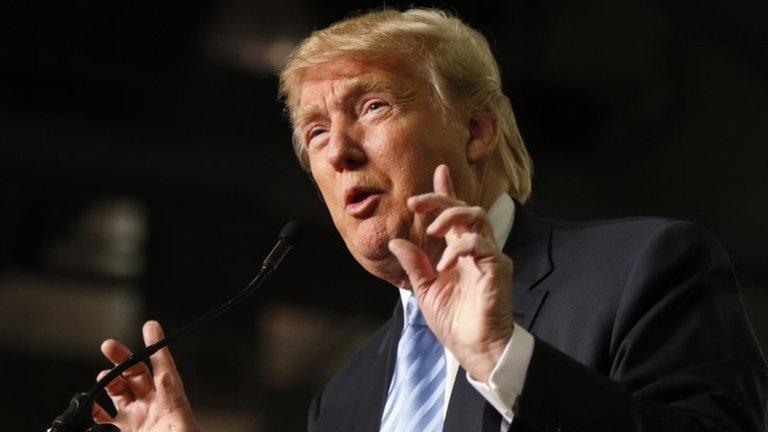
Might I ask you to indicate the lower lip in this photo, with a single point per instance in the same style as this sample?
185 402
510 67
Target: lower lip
365 208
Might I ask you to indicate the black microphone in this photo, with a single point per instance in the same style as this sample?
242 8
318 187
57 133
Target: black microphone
289 235
77 416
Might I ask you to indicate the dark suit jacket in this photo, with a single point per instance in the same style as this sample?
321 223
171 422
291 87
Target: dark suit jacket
638 325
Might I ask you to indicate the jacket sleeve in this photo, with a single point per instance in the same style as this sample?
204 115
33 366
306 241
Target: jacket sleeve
683 356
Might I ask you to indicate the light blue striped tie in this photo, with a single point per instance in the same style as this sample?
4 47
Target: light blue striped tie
415 400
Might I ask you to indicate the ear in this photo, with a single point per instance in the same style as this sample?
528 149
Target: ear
483 134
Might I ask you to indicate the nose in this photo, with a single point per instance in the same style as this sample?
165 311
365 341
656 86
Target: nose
344 150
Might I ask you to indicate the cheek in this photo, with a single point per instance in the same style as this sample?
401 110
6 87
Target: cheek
405 156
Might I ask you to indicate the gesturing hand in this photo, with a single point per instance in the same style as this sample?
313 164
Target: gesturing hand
465 300
147 401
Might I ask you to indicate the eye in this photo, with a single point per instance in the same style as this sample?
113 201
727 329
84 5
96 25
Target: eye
375 105
314 133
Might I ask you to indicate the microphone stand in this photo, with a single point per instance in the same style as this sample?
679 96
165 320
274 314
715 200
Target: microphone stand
78 415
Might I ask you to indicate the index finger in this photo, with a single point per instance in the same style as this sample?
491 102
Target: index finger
428 202
162 361
442 182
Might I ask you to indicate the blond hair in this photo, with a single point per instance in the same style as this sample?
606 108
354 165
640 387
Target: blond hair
451 57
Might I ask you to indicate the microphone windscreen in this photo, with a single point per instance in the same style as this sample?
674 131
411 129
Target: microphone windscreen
291 232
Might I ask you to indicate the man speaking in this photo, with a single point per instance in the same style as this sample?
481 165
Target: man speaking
507 321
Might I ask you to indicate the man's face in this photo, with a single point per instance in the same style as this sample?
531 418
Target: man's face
374 137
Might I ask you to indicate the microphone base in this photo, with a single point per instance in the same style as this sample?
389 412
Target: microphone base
77 417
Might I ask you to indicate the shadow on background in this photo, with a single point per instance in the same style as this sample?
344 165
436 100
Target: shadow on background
145 168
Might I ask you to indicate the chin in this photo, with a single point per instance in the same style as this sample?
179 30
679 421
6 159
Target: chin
387 268
370 248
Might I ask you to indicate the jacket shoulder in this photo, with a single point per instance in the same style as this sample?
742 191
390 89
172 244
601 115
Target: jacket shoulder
619 241
600 267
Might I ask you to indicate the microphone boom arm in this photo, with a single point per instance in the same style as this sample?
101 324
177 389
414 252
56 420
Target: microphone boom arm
77 416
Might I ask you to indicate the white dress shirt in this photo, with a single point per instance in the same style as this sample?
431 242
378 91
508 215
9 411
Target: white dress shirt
506 380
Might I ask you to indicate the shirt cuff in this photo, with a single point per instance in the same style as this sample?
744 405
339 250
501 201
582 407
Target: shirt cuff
506 382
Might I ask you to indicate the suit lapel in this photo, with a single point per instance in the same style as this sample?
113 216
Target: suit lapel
371 406
360 402
388 356
529 248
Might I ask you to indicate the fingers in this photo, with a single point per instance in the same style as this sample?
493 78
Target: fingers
454 216
137 377
432 201
100 415
469 244
161 360
170 388
443 196
168 383
442 182
415 263
469 218
467 231
118 390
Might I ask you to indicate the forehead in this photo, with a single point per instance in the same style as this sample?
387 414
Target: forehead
343 68
342 77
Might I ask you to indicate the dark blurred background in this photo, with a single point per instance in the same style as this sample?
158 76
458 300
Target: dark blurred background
145 169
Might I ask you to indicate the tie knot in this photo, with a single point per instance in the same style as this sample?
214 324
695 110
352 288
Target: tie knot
413 314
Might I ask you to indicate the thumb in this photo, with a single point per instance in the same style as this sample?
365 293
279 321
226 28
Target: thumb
415 263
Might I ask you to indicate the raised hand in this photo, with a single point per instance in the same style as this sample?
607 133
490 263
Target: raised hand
147 400
465 299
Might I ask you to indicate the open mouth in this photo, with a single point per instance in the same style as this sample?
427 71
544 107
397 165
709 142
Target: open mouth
360 202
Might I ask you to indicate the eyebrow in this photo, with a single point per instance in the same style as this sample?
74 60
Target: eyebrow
350 88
